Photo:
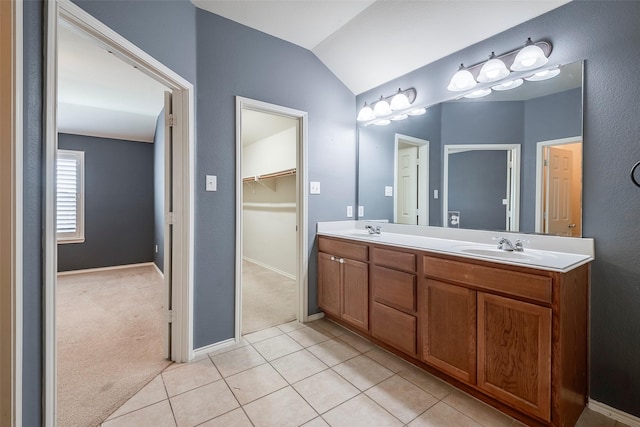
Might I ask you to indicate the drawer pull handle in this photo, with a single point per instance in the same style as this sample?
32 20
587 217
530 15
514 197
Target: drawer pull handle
341 260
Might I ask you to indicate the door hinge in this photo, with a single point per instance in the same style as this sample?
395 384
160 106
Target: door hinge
171 120
171 218
546 162
171 316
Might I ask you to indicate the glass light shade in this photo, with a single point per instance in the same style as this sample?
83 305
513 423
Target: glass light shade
400 102
399 117
461 81
478 93
544 75
417 111
383 122
530 57
382 108
365 114
509 85
493 70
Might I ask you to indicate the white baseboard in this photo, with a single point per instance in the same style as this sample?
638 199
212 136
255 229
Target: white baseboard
268 267
158 269
115 267
616 414
202 351
317 316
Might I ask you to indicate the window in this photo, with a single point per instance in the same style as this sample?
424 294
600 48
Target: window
70 196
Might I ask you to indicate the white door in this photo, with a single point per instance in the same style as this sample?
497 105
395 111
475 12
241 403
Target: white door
558 180
407 196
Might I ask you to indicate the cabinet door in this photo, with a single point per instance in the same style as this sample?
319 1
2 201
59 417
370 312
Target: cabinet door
514 353
355 293
449 329
329 278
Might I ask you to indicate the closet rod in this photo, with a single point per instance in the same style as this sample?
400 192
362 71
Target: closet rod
270 175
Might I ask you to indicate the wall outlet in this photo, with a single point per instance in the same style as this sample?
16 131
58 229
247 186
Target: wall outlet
349 211
388 191
212 183
314 187
360 211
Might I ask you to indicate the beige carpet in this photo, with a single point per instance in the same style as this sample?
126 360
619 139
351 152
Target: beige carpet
268 298
109 333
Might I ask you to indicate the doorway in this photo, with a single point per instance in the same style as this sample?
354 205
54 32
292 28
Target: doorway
271 224
559 187
411 175
178 182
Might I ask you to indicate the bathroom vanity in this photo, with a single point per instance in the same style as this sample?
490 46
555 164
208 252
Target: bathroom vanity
508 327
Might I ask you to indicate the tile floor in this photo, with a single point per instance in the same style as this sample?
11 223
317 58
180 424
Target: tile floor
312 375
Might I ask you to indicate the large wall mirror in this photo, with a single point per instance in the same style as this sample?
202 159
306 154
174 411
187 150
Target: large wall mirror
508 161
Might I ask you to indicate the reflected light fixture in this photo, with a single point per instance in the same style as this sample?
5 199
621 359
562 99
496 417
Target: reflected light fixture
382 108
393 107
462 80
478 93
493 70
512 84
543 75
529 58
417 112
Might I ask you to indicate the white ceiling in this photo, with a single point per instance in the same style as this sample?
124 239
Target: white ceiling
367 43
257 125
101 95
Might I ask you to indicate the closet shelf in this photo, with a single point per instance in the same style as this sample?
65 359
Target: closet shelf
269 184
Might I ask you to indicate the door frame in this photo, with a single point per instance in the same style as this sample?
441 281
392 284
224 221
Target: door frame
183 178
513 183
539 212
11 212
302 182
423 176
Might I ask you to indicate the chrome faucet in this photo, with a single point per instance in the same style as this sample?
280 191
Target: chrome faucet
506 245
373 230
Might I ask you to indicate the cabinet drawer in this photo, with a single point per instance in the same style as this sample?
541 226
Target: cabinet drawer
394 327
344 249
524 285
394 259
394 288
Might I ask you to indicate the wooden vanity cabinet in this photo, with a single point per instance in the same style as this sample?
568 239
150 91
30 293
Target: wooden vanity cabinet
343 281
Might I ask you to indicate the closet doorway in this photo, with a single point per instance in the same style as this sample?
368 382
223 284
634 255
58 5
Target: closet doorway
270 266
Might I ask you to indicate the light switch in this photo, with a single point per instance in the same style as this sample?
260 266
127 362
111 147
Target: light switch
435 194
349 211
505 202
212 183
360 211
314 187
388 191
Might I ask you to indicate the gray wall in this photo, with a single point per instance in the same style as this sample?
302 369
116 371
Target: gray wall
234 60
606 35
118 205
158 192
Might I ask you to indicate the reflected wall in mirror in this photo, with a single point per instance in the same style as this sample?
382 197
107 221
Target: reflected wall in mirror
543 118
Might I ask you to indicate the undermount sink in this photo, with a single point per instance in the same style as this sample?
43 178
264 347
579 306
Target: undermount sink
499 253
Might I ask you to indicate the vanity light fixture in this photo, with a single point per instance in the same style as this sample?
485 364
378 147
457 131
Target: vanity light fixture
417 112
496 69
462 80
543 75
493 70
529 58
512 84
393 107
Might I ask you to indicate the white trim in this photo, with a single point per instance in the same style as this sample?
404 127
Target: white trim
99 269
158 269
184 180
316 316
203 351
269 267
539 214
514 149
302 241
616 414
423 178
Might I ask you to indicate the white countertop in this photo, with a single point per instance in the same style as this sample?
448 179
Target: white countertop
566 254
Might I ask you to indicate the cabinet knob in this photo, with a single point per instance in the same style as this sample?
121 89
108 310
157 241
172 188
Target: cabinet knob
333 258
342 261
